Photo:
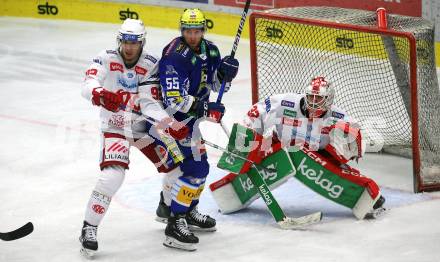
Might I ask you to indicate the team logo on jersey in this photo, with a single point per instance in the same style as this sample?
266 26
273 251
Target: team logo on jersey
140 70
170 70
116 67
130 75
337 115
287 103
112 52
117 121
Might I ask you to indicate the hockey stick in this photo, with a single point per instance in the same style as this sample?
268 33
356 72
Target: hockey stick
282 220
235 45
18 233
227 132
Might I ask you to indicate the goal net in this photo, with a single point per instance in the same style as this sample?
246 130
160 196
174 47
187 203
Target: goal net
384 77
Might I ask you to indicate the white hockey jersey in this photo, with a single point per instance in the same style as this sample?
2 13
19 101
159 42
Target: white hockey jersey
284 115
141 81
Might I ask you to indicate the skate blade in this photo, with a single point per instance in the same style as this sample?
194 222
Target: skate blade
162 220
87 253
201 229
174 243
375 213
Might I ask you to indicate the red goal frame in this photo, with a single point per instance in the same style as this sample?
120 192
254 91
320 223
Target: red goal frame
418 185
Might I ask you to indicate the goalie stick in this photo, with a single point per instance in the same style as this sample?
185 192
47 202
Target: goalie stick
18 233
282 220
235 45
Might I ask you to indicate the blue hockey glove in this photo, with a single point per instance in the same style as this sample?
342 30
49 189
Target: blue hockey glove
211 110
228 68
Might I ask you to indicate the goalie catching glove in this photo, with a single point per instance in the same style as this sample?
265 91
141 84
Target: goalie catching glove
345 141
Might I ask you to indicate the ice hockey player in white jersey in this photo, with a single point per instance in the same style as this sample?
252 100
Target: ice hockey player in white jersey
124 84
312 122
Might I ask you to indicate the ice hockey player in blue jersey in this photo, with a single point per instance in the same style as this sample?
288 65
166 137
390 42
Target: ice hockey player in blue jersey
190 68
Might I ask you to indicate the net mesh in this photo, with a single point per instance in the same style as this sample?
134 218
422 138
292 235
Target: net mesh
369 71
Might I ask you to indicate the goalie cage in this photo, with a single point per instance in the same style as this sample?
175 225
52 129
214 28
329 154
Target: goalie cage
384 77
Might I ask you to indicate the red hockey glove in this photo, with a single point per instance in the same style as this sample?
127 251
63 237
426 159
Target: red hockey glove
110 100
174 128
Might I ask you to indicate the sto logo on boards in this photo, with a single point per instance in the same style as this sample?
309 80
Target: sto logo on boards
274 32
124 14
47 9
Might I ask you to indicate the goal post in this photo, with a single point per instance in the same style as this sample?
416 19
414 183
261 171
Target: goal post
385 77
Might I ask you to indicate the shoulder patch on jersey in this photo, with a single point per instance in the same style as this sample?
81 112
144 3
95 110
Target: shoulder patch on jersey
268 105
140 70
180 48
112 52
92 72
97 60
337 115
213 53
151 58
287 103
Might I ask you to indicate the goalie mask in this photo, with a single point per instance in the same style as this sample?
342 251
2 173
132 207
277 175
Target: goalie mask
319 97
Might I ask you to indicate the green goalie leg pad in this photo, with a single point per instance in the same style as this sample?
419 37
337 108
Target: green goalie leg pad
325 178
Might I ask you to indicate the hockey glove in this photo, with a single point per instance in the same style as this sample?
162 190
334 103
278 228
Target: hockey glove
110 100
211 110
174 128
228 69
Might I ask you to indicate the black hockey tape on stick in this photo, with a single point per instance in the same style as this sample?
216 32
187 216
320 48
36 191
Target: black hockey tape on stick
18 233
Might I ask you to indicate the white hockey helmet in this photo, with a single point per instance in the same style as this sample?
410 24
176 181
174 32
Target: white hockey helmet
319 96
132 30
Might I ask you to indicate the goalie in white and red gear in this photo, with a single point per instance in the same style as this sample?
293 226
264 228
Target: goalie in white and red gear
308 120
311 121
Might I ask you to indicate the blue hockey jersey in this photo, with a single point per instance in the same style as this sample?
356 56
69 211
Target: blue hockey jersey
187 77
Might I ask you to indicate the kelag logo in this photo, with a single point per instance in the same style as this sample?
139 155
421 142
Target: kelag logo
274 32
124 14
344 42
47 9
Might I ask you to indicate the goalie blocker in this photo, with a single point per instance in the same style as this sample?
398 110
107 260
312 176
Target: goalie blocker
319 171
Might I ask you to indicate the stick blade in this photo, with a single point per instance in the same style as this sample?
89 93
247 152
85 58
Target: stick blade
18 233
300 222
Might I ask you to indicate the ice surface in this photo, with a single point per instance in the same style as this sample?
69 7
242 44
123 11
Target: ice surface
49 165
